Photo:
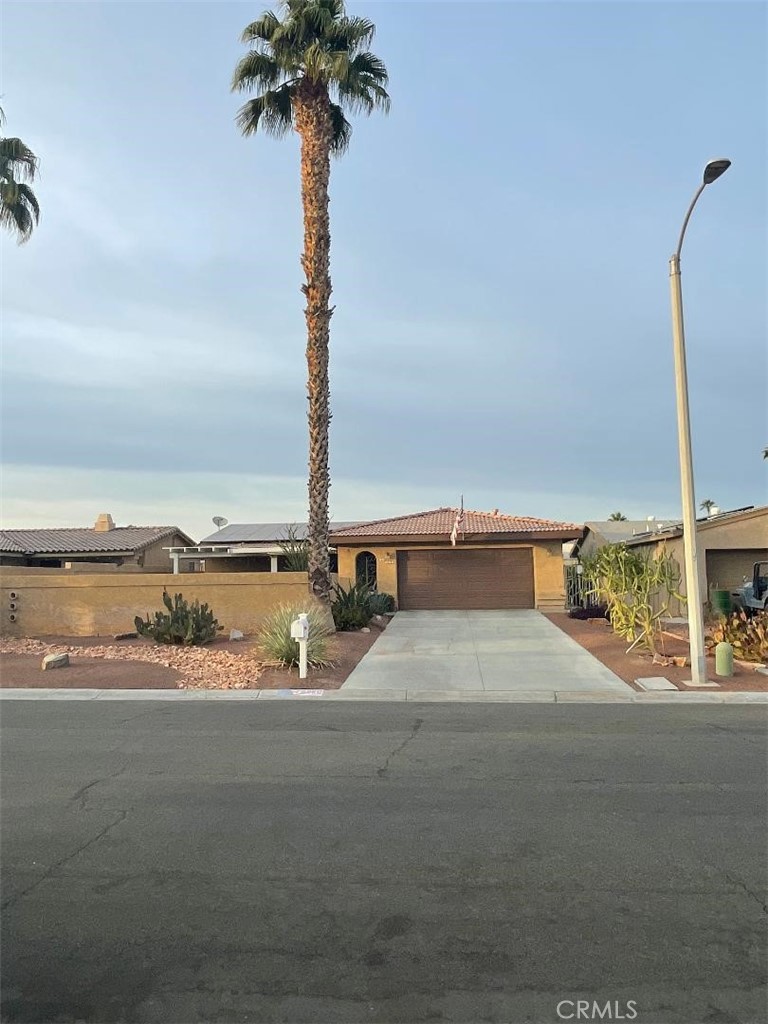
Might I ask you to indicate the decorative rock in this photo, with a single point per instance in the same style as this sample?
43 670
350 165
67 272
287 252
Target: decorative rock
125 636
55 661
365 629
380 620
235 634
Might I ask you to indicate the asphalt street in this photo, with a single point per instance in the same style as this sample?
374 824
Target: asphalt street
365 862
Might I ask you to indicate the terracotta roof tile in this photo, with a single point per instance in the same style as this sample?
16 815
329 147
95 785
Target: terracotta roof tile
439 522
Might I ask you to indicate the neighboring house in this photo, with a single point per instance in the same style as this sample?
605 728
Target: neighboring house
499 561
244 547
729 544
598 533
102 546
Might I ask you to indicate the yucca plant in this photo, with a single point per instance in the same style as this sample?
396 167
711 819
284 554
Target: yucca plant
748 635
275 640
351 608
295 550
380 604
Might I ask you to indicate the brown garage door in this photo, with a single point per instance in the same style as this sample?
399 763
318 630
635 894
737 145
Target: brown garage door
480 578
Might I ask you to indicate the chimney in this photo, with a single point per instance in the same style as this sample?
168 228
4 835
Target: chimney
104 523
714 511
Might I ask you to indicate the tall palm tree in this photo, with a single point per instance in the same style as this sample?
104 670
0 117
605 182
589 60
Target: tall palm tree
617 517
707 505
308 69
19 209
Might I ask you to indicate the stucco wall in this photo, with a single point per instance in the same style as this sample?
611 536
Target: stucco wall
103 604
155 557
547 567
748 533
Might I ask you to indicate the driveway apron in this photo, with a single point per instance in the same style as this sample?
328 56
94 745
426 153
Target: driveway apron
480 651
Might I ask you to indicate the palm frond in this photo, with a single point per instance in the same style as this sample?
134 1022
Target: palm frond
314 40
271 111
263 28
256 71
352 33
342 130
19 209
17 161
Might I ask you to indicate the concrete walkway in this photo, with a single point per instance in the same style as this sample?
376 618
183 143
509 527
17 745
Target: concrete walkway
481 652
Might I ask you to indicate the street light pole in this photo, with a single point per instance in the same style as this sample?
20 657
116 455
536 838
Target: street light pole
712 171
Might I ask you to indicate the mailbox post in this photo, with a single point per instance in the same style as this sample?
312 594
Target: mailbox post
300 633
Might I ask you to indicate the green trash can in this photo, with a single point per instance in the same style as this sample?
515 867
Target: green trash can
721 602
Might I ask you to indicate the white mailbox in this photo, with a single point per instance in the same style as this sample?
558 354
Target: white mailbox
300 628
300 633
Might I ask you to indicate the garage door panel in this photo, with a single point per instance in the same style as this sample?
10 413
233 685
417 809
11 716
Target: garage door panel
466 579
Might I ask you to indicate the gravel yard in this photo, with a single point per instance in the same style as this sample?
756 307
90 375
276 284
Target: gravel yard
102 663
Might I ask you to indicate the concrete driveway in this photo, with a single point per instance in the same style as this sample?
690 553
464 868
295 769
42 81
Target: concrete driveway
519 652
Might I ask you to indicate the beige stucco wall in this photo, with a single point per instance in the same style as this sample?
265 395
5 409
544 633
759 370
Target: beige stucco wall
749 533
155 558
106 603
547 567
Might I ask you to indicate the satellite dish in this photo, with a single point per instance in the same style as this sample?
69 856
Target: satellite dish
219 521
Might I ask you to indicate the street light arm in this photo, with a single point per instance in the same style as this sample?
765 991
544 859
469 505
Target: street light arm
695 199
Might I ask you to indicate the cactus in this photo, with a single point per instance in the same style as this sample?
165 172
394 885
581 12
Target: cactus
189 624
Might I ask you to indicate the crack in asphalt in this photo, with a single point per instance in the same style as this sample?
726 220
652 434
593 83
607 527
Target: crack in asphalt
755 896
64 860
382 771
82 793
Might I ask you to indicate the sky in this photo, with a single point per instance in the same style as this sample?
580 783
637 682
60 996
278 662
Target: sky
500 248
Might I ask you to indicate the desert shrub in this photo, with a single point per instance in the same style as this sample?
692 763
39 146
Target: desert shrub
295 550
351 608
182 623
596 611
275 640
748 635
380 604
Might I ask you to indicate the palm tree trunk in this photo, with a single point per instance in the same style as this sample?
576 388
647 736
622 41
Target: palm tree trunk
313 123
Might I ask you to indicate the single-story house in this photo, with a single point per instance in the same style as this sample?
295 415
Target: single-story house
243 547
498 561
101 546
728 544
597 533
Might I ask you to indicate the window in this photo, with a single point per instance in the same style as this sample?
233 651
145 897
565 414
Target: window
365 569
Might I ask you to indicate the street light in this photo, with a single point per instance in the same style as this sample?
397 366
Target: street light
712 172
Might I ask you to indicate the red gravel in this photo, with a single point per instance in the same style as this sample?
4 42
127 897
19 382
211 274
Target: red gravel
597 637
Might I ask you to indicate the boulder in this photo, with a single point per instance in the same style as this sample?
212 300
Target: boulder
55 661
235 634
125 636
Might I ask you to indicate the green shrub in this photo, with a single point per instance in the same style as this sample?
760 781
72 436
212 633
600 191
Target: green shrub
276 641
352 608
380 604
748 635
295 550
190 624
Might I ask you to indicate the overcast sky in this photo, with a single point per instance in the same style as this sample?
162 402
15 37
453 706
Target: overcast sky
499 260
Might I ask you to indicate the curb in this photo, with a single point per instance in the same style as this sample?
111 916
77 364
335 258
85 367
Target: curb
414 696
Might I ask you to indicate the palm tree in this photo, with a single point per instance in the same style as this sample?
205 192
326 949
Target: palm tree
765 453
308 69
617 517
707 505
19 209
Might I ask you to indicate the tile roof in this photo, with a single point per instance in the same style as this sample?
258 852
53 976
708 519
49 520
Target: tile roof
439 522
83 540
